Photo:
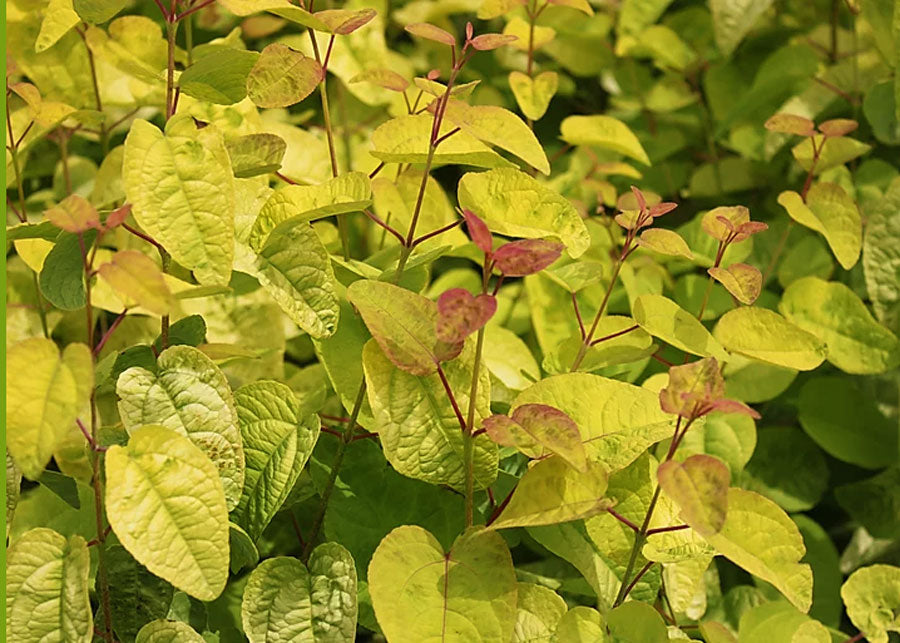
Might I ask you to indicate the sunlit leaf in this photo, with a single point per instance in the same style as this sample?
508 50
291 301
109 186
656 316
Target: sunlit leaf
604 132
830 211
765 335
282 77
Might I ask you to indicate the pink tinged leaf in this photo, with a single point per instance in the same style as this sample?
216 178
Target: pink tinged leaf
639 197
470 31
434 74
117 217
446 351
743 281
461 314
662 208
488 41
790 124
384 78
712 221
554 430
343 22
699 486
749 229
431 32
73 214
838 127
478 231
630 219
526 256
501 429
692 387
733 406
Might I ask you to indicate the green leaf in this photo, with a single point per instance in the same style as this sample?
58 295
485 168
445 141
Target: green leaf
62 277
580 625
772 553
881 257
161 631
61 485
778 621
636 621
833 151
255 154
636 15
742 281
872 597
45 392
604 132
278 440
188 394
752 381
181 187
166 505
551 492
98 11
59 17
422 593
136 596
242 549
294 268
699 485
47 588
538 611
822 556
512 203
282 77
187 331
765 335
830 211
138 281
220 78
874 502
13 485
533 95
663 318
285 601
733 19
855 342
418 428
536 429
666 242
846 422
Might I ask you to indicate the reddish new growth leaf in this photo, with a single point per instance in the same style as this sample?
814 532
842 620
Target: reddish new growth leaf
638 211
434 74
488 41
526 256
730 224
117 217
537 428
431 32
838 127
461 314
742 231
698 388
478 231
470 31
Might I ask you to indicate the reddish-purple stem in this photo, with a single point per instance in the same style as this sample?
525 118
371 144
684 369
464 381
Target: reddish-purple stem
614 335
660 530
459 415
578 316
109 332
622 519
434 233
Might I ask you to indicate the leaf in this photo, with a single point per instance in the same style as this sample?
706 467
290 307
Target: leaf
161 631
421 593
384 78
47 588
526 256
294 267
138 281
98 11
498 127
830 211
667 242
512 203
874 502
832 152
551 492
743 281
187 331
761 539
846 422
636 621
855 342
663 318
181 187
489 41
872 597
788 467
431 32
285 601
580 624
136 596
255 154
282 77
242 549
62 277
699 485
418 428
59 17
790 124
278 440
733 19
167 507
13 485
533 95
765 335
219 78
45 392
538 610
535 427
779 621
495 8
461 314
190 396
605 132
73 214
345 21
881 257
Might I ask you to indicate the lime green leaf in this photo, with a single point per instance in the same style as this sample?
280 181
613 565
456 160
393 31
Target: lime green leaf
881 257
421 593
349 192
733 19
418 428
605 132
765 335
551 492
636 621
533 95
663 318
295 268
73 214
255 154
619 346
161 631
285 601
778 621
136 596
636 15
536 427
872 597
406 139
431 32
743 281
580 625
760 538
666 242
512 203
498 127
538 610
699 485
43 399
495 8
138 281
181 187
189 395
714 632
47 588
219 78
278 440
520 29
98 11
874 502
830 211
282 77
59 17
167 507
752 381
845 421
855 342
384 78
790 124
833 151
62 276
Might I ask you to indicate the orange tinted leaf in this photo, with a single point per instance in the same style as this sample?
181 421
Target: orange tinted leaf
73 214
431 32
488 41
791 124
526 256
461 314
838 127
